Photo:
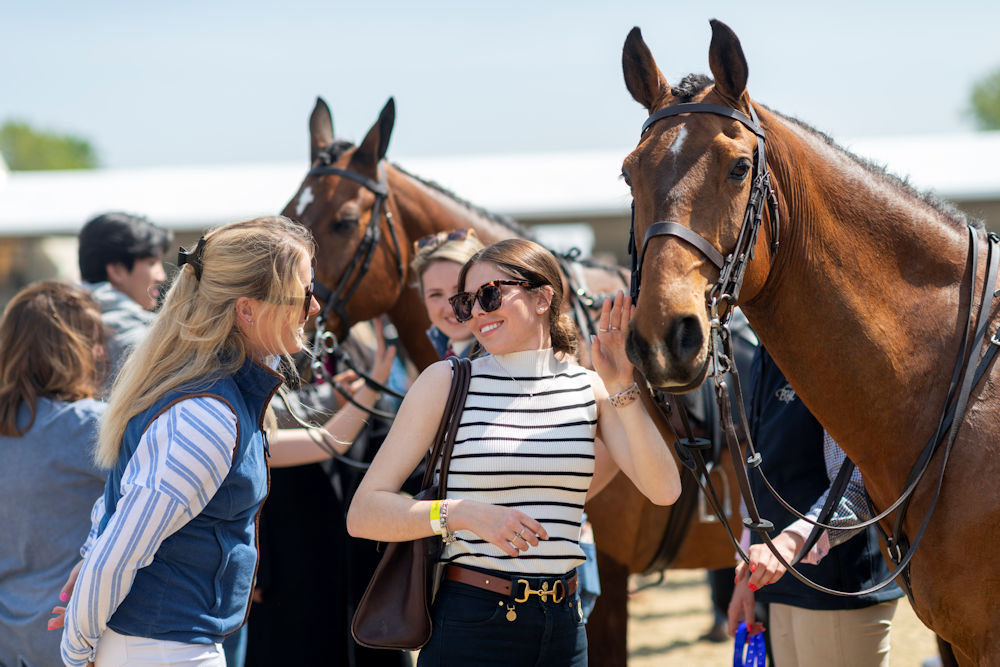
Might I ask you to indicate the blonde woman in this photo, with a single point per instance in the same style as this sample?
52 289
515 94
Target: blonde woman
169 570
524 462
51 353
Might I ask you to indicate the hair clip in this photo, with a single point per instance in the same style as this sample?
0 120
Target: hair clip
192 257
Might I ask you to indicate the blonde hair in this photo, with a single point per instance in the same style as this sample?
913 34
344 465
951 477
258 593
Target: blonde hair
458 251
196 335
526 260
48 340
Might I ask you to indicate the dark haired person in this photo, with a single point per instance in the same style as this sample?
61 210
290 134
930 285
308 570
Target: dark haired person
120 257
534 430
51 340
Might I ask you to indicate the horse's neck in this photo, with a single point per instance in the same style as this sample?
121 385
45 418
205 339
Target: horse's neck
860 309
426 210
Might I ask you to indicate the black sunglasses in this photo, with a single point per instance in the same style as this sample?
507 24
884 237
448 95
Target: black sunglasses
434 240
489 297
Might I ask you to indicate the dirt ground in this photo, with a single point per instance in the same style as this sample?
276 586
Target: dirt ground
666 621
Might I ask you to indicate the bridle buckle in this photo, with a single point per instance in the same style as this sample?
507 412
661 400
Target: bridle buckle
557 593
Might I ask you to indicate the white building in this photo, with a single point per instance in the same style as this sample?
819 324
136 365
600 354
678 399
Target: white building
41 212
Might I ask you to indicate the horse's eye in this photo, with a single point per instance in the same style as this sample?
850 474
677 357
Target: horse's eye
625 177
740 169
344 225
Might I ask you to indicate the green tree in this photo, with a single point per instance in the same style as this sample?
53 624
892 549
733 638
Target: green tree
985 100
25 148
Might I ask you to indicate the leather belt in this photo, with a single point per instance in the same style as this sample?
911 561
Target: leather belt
551 590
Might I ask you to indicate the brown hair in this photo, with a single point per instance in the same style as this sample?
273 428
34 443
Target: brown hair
526 260
48 339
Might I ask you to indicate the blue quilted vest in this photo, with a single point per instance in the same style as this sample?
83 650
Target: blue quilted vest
197 588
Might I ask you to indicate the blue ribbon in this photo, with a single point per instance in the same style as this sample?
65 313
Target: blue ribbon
749 653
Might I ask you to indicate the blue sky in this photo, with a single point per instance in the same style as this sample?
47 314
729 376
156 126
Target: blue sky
185 82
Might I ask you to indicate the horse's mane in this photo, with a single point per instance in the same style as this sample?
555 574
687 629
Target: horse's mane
880 171
502 220
693 84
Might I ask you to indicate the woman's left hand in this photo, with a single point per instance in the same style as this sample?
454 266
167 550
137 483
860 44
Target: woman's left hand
610 360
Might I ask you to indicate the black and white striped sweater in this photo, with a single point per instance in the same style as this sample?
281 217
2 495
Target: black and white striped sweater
526 441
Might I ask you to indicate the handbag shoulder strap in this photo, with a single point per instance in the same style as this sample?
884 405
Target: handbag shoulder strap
444 440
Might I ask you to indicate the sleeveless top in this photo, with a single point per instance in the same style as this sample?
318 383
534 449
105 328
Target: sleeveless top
526 441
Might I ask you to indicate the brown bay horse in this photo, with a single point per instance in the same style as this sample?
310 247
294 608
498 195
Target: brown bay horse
337 201
864 304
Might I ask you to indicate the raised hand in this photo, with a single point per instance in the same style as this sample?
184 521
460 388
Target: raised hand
610 360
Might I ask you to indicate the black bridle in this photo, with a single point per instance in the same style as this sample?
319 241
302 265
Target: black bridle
336 300
726 291
733 266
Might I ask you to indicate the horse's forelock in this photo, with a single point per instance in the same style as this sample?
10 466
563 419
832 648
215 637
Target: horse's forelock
690 86
335 150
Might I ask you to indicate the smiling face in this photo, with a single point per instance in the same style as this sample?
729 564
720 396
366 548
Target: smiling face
440 281
519 324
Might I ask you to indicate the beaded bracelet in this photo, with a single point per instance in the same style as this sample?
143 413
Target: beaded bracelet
625 397
447 536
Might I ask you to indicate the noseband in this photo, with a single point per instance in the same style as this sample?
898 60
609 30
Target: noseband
733 266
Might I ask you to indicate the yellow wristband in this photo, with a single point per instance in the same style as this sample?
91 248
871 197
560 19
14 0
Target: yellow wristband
436 517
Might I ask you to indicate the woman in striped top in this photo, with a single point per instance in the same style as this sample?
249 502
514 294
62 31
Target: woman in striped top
524 461
168 570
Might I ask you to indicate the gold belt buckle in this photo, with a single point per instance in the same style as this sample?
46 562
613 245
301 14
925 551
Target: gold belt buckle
557 593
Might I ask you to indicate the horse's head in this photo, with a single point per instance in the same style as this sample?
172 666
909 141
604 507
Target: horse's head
361 256
691 177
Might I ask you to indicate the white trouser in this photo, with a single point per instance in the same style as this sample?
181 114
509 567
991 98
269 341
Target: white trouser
115 650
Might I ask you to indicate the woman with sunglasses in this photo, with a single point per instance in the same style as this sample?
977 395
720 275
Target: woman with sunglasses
437 261
534 430
169 567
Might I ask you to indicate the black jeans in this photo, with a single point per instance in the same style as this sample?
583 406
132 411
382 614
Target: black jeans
471 627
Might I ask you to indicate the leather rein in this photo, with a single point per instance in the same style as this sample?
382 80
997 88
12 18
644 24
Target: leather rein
719 301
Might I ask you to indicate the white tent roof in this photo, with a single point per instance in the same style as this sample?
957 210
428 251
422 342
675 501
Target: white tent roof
562 185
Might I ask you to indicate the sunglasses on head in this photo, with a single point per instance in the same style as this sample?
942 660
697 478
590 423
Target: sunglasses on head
434 240
488 295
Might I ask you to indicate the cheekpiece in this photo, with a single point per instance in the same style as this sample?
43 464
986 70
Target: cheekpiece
192 257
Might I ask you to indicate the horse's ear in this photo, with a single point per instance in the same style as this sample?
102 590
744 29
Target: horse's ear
376 143
320 129
643 78
727 62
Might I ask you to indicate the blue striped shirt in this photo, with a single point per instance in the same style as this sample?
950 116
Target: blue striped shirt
182 459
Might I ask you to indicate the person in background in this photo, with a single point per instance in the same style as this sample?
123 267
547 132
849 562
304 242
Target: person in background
524 462
51 344
121 263
806 626
184 438
437 262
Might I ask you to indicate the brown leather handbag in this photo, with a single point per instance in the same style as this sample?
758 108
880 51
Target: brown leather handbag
394 612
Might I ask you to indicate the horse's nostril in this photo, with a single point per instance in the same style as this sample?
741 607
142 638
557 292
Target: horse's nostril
684 338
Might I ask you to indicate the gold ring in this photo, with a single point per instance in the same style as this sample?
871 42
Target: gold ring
612 328
600 330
